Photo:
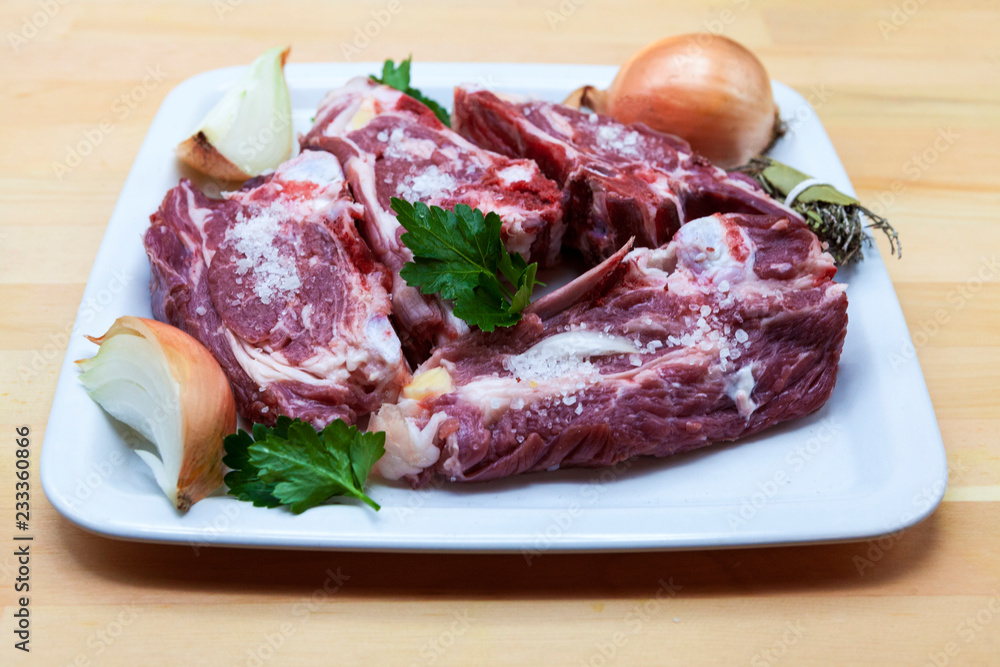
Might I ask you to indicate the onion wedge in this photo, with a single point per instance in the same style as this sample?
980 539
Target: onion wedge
250 129
164 384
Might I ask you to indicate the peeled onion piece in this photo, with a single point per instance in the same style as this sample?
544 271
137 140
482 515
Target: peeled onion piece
164 384
707 89
250 129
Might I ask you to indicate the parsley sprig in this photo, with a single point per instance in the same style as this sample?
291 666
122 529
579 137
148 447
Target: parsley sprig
293 464
399 78
460 255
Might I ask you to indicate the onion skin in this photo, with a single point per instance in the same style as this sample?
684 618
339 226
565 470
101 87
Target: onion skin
704 88
198 153
207 407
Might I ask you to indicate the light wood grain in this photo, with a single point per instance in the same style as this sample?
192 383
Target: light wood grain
883 99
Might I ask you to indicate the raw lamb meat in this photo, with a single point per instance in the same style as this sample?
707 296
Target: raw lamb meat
622 181
732 327
391 145
277 283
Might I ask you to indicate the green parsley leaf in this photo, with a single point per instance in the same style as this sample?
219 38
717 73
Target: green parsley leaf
398 77
459 255
293 464
244 481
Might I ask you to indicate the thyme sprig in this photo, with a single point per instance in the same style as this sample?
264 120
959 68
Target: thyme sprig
837 219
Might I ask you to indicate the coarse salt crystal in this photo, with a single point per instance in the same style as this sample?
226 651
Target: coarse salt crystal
579 408
569 400
617 139
429 182
517 403
201 310
742 336
635 360
255 238
724 286
706 310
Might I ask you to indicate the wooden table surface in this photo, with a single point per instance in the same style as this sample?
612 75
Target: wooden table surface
909 91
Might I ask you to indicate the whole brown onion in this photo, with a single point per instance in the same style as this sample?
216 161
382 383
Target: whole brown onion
704 88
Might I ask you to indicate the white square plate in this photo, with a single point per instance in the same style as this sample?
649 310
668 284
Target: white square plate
870 462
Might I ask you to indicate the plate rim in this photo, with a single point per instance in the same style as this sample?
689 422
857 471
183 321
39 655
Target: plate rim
451 73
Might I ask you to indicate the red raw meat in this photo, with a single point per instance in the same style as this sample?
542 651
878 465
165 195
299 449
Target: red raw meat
623 181
734 326
276 282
